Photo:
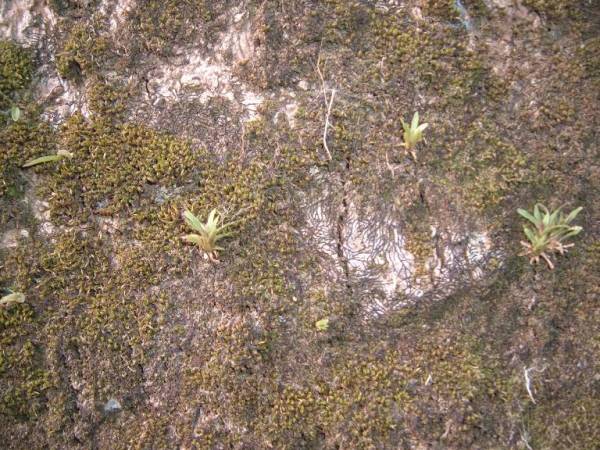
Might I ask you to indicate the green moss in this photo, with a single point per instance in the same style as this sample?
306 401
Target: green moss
16 68
486 167
99 176
159 25
83 51
445 9
23 378
21 141
554 9
589 53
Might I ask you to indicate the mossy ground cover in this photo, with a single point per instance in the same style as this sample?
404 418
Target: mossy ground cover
227 355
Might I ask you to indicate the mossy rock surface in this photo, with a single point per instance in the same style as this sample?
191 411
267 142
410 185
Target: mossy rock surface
131 338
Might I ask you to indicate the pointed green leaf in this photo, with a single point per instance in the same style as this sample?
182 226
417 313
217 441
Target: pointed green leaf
536 213
41 160
573 232
211 216
530 234
527 215
192 221
15 113
573 214
415 121
554 216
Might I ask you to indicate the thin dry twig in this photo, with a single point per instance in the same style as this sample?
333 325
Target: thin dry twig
528 380
327 124
328 104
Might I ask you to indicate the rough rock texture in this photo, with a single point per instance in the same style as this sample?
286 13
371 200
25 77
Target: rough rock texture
440 334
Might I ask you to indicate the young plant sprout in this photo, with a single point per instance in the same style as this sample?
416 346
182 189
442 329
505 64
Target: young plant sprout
322 325
61 154
549 232
209 233
413 134
15 113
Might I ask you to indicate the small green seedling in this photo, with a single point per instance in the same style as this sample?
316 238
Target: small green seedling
322 325
15 113
61 154
549 232
209 233
413 134
13 297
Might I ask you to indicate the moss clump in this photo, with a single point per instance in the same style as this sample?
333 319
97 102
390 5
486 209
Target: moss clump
83 51
112 164
23 378
554 9
158 25
358 406
589 54
19 142
445 9
486 167
16 68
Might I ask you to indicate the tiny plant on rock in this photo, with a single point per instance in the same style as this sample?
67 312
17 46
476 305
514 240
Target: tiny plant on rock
209 233
413 134
61 154
549 231
322 325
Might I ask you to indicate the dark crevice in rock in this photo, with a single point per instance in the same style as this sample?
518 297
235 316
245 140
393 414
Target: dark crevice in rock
341 223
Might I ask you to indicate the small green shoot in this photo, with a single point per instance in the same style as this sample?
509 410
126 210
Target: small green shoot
322 325
15 113
209 233
549 232
61 154
413 134
13 297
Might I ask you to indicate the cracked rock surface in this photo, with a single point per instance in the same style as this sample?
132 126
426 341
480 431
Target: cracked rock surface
131 338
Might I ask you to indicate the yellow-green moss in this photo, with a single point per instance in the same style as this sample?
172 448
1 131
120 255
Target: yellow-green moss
16 68
112 164
23 377
83 50
486 167
19 142
160 24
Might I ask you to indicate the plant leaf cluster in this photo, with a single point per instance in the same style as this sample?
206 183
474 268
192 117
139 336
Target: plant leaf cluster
549 231
208 233
413 134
